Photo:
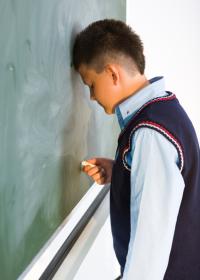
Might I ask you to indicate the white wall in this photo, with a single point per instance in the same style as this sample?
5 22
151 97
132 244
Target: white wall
170 31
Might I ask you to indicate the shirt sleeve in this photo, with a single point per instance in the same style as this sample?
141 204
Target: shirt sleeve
156 193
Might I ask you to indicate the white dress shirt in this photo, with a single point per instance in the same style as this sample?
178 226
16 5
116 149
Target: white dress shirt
156 191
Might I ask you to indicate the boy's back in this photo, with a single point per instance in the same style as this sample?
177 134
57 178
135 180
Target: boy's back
166 116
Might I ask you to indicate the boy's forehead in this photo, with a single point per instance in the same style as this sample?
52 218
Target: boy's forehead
85 73
84 69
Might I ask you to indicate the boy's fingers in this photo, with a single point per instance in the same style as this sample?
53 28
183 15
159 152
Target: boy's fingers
99 176
101 181
87 165
94 170
97 173
87 168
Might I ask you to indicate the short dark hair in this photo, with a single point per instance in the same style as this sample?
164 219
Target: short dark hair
107 38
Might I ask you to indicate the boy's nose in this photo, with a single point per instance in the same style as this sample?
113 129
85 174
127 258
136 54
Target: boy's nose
92 97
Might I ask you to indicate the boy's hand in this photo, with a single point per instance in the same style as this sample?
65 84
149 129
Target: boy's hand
100 169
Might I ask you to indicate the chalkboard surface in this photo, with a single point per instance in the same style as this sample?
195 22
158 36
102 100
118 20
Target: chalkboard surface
47 123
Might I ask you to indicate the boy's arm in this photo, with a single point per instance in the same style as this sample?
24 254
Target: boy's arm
156 193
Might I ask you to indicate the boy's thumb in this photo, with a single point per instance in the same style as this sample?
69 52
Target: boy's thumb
92 161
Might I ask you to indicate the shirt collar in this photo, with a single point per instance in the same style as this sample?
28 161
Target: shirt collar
126 109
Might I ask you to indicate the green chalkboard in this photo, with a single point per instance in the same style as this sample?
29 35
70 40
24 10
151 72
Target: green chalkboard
47 123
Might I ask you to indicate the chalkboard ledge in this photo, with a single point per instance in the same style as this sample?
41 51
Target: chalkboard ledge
50 257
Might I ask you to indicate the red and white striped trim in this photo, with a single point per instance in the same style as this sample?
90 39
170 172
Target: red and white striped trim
163 131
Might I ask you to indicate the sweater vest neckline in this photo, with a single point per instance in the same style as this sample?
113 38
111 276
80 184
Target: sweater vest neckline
169 96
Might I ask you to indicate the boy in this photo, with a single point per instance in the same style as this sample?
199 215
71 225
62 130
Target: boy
155 177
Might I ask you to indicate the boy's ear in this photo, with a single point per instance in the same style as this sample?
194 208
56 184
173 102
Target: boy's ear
113 71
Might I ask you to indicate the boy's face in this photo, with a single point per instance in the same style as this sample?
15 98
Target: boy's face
103 87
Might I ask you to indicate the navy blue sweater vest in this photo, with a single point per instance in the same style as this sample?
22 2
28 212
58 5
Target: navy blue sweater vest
166 116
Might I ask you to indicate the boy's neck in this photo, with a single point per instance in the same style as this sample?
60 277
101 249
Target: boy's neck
133 85
138 82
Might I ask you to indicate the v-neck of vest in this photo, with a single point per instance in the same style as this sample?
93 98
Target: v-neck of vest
168 97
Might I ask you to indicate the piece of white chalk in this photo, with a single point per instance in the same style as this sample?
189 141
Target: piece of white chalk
85 163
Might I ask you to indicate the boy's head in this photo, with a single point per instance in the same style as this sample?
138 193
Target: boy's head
107 54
